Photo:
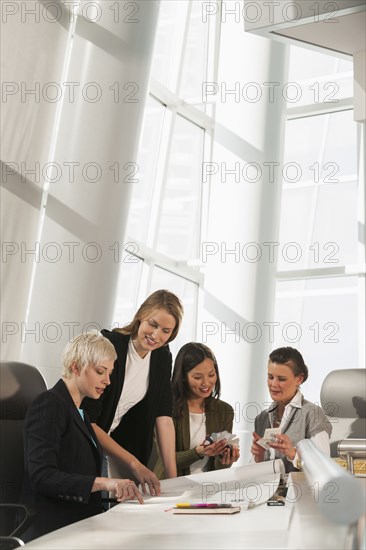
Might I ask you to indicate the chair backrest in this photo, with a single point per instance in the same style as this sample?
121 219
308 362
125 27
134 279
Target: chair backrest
343 398
19 386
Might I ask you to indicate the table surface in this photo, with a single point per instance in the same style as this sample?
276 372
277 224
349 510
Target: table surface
297 525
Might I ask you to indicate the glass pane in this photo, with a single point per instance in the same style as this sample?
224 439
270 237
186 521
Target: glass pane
195 56
340 149
318 78
187 292
319 317
306 64
179 229
169 42
128 285
320 170
142 191
313 234
320 149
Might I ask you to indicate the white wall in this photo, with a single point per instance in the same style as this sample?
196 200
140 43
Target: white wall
82 214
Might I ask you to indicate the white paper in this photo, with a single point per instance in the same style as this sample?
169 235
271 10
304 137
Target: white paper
268 437
246 485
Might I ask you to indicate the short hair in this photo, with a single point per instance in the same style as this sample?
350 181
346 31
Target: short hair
89 348
292 358
189 356
160 299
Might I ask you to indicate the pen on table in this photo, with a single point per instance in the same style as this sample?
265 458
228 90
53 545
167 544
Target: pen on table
202 505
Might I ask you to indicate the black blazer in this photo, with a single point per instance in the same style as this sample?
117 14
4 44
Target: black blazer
62 459
136 430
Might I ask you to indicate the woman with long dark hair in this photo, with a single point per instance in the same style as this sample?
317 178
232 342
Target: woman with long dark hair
198 412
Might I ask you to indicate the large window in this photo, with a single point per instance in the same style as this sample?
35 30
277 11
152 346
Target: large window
166 214
318 288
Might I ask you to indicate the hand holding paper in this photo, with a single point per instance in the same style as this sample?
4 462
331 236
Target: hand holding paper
269 437
221 444
219 436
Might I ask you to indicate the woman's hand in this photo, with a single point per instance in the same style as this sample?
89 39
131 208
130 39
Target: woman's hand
123 489
256 450
283 445
146 477
214 449
230 455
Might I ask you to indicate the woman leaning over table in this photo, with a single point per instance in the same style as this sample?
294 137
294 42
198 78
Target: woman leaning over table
296 417
139 398
198 412
63 459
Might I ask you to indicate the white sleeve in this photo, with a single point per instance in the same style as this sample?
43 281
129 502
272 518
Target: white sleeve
321 440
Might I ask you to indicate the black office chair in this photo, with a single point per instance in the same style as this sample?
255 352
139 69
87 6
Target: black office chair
19 385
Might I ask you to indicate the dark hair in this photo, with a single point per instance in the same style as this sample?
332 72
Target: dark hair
160 299
189 356
292 358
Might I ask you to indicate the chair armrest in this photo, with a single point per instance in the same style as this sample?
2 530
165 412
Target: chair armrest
28 514
9 543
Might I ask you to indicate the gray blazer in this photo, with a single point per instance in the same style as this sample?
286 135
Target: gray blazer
303 423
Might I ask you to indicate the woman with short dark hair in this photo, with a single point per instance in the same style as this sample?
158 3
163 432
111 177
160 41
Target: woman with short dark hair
294 416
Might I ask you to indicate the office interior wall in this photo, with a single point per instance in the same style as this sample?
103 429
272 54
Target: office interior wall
79 288
91 144
32 56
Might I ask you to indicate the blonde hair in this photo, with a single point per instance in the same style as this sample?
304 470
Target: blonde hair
89 348
160 299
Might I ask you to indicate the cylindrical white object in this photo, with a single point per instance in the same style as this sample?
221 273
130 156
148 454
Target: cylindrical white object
340 496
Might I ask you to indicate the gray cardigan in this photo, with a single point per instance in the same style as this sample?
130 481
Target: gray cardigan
303 423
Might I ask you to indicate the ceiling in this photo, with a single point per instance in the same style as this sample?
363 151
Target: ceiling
345 34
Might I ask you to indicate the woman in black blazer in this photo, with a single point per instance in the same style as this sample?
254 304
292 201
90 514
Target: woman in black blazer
139 400
63 458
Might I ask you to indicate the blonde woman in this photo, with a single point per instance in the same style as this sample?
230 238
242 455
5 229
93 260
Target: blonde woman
63 457
139 398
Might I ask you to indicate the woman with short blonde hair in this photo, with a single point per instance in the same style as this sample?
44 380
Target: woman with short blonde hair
63 458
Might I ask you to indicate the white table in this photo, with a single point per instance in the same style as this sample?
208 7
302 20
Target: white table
296 525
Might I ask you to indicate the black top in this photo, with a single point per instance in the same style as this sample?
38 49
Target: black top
135 432
61 462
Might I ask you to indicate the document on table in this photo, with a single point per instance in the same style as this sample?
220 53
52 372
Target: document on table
244 485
